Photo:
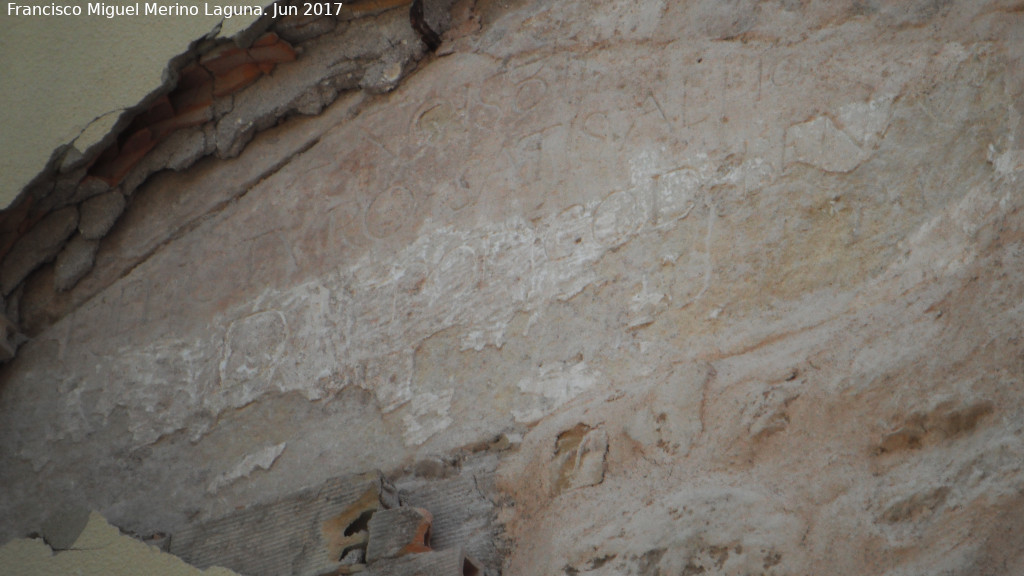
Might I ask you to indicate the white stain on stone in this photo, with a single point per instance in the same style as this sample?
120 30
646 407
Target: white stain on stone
865 122
263 459
551 388
253 346
362 324
1008 162
427 415
643 304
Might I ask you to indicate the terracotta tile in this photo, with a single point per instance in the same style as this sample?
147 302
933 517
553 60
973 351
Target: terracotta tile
221 61
196 97
275 53
105 159
268 39
192 76
157 112
235 79
191 117
114 170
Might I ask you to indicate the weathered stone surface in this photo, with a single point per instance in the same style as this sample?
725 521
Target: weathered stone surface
766 257
73 262
39 245
100 213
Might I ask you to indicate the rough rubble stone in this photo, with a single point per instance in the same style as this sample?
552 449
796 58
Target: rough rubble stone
335 60
383 76
64 191
179 151
38 245
89 187
74 262
100 213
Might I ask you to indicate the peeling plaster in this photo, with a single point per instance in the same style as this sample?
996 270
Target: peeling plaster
68 78
100 550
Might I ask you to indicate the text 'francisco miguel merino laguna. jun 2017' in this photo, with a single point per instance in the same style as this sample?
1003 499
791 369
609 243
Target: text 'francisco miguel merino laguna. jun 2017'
159 9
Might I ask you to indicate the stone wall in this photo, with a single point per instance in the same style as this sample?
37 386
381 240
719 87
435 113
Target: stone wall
738 285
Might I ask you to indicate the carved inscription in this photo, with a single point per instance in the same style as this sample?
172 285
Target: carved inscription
618 217
389 211
529 93
252 349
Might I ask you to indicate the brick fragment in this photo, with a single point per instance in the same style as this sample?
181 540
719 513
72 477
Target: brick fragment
157 112
115 164
233 80
268 39
191 117
194 89
275 53
224 59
